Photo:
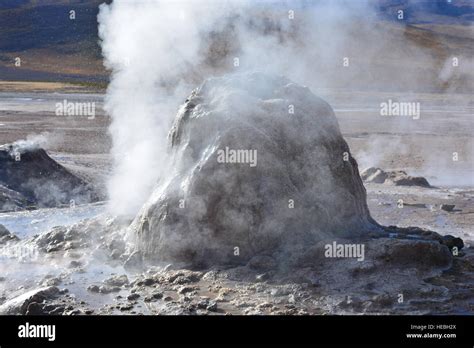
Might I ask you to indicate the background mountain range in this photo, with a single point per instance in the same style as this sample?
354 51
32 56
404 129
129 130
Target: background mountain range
52 47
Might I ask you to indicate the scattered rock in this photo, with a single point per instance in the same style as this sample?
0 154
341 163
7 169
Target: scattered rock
105 289
180 277
51 281
6 236
75 264
156 296
451 242
185 289
133 297
412 253
148 281
203 303
117 280
73 312
126 307
57 310
93 288
447 207
398 178
401 178
212 306
35 308
375 175
53 240
19 304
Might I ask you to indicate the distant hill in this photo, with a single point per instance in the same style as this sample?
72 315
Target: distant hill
429 11
53 47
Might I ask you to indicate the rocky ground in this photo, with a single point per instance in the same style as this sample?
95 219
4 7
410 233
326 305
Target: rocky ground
86 268
407 270
260 288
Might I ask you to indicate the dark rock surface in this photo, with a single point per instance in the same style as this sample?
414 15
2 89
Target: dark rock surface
35 178
6 235
34 298
12 200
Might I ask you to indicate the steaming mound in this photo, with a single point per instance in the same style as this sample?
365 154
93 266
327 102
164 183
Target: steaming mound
28 176
397 178
249 173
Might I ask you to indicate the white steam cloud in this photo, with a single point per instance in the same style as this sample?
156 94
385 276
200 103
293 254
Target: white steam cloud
158 51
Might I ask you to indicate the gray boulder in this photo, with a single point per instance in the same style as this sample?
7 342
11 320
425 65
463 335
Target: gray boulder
39 180
6 235
397 178
293 183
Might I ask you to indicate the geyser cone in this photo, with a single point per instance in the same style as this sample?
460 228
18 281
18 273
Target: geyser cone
29 176
259 166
